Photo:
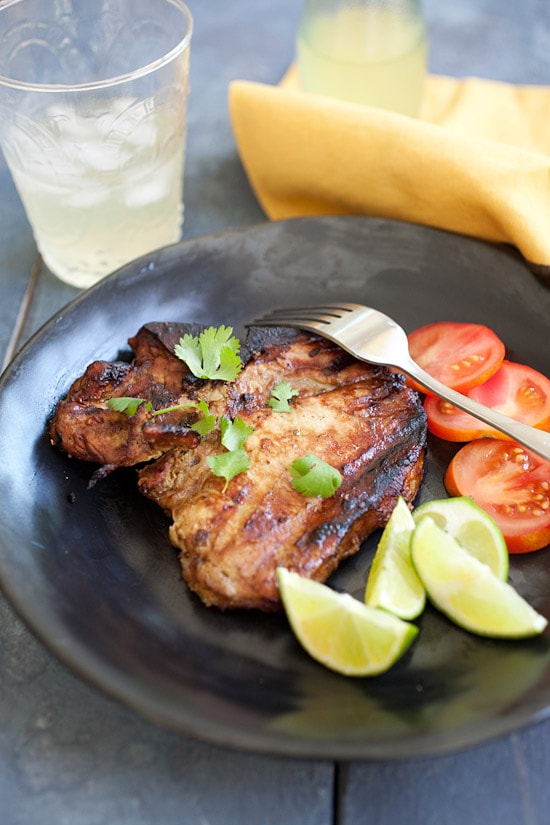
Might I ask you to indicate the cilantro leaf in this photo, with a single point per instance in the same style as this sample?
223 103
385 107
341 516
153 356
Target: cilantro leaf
311 476
205 424
214 354
230 464
234 433
127 404
280 396
189 350
173 408
235 460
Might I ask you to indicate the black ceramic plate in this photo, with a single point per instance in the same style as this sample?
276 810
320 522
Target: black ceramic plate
92 571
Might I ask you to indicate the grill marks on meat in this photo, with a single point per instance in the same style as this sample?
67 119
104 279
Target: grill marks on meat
86 428
361 419
232 542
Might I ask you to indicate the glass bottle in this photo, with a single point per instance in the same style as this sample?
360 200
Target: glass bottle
365 51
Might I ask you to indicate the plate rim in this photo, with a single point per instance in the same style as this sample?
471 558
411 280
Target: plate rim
248 741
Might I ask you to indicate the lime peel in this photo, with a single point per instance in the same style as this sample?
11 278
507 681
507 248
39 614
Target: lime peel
393 583
339 631
467 591
437 548
472 528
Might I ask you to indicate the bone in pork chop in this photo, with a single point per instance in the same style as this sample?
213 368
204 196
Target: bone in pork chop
361 419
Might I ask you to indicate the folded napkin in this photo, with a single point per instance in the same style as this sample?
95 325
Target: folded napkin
476 161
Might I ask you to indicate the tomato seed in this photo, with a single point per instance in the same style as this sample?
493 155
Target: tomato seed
529 394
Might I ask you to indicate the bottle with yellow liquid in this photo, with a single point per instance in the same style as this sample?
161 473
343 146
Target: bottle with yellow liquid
372 52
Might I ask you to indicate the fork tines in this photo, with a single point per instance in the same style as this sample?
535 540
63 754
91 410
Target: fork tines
321 314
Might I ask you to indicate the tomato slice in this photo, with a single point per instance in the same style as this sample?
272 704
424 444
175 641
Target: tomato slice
460 355
516 390
511 484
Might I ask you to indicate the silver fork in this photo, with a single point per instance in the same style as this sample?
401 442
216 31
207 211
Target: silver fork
373 337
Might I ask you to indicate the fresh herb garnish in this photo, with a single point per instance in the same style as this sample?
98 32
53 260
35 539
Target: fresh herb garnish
280 396
213 354
128 404
207 423
311 476
228 465
235 460
234 433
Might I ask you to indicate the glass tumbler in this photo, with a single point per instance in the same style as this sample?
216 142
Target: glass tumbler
372 52
92 125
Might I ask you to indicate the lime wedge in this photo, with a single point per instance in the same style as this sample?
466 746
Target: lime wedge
393 583
472 528
466 589
339 631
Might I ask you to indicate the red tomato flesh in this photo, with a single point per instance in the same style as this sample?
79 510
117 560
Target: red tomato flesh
460 355
515 390
510 483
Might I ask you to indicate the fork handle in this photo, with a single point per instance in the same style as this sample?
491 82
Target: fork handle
536 440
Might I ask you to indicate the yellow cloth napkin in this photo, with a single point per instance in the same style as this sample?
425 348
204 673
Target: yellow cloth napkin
476 161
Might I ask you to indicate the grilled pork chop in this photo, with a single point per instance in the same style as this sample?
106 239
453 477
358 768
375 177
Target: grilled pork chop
362 420
87 428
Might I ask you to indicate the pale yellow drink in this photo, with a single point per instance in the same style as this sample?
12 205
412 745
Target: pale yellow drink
371 55
93 100
105 192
